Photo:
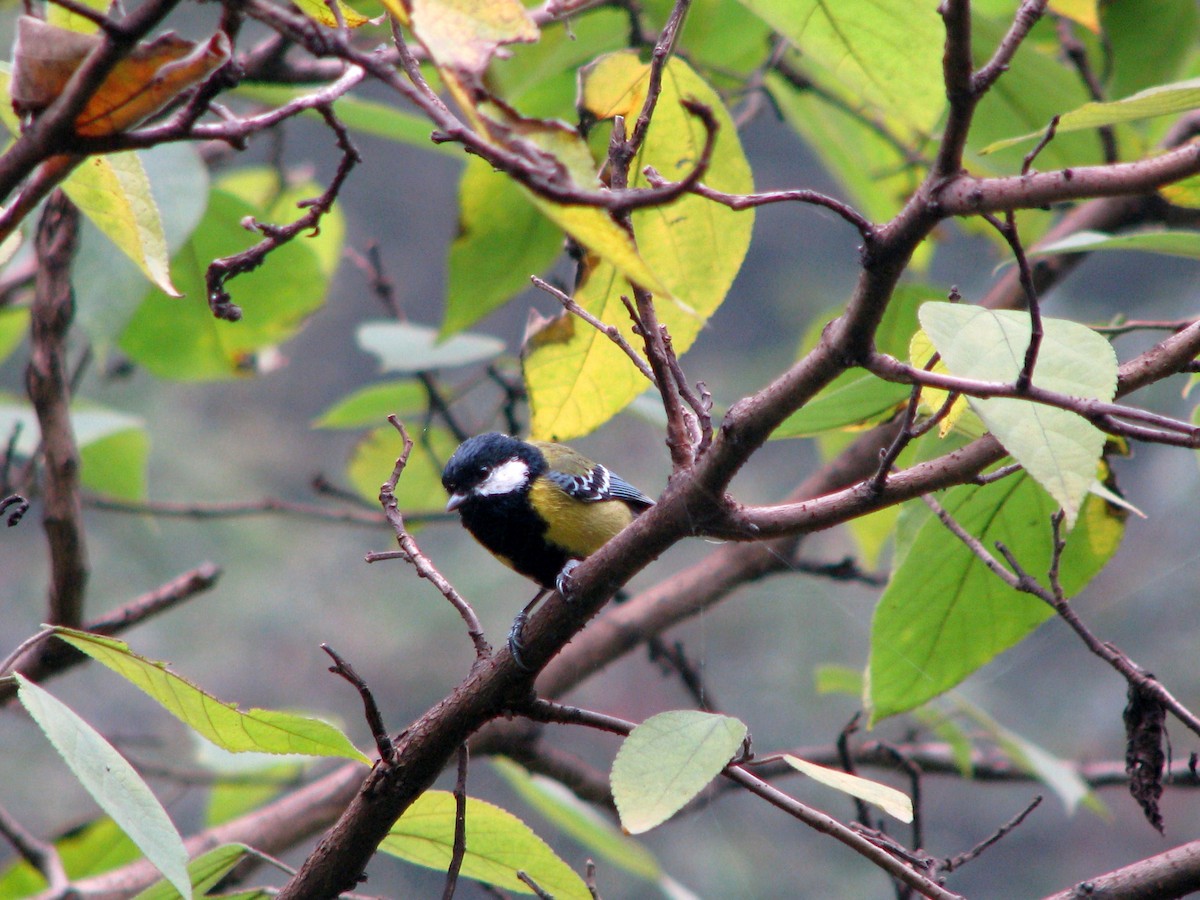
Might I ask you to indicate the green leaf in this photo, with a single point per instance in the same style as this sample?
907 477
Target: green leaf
204 872
577 378
856 397
1169 243
113 191
1057 447
116 465
14 325
409 349
1146 49
502 239
668 760
181 339
109 287
884 54
1160 100
262 730
111 782
498 846
944 615
579 821
891 801
420 486
372 405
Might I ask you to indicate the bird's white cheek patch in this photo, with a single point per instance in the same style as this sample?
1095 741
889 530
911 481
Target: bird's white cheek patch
505 478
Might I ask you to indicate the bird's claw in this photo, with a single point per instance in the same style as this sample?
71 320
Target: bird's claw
516 647
563 582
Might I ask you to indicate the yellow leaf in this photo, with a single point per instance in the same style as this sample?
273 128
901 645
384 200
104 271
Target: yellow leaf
319 11
694 247
465 34
114 193
1082 11
920 351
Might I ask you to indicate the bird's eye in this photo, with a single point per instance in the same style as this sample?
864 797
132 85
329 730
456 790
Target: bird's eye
483 470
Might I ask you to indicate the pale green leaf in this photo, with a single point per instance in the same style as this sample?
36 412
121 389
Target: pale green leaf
1060 775
89 423
111 782
1169 243
577 377
667 760
204 872
831 679
1160 100
581 822
262 730
465 34
498 846
114 193
370 406
1057 447
891 801
407 348
885 54
944 615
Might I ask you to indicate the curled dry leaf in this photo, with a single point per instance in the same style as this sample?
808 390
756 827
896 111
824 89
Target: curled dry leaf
45 58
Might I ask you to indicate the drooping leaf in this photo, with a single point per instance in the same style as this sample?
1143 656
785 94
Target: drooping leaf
578 820
109 288
372 405
1169 243
151 76
578 379
498 846
114 193
893 802
420 486
668 760
408 348
864 48
944 615
1057 447
261 730
111 782
502 239
204 872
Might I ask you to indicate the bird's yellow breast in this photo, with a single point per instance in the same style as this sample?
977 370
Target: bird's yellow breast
579 528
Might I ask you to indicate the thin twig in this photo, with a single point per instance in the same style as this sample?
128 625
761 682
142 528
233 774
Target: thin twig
957 862
41 855
419 561
459 851
383 741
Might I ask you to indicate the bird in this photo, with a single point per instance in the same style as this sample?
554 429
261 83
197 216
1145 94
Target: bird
538 507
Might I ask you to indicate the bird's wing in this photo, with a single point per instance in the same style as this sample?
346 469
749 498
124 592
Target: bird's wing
599 484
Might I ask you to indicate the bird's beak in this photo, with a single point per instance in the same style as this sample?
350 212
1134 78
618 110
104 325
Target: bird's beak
456 500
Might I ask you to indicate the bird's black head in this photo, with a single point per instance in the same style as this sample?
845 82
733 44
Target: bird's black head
490 465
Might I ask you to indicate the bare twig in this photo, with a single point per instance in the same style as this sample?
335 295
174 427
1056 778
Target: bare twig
957 862
383 742
459 850
424 567
39 854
